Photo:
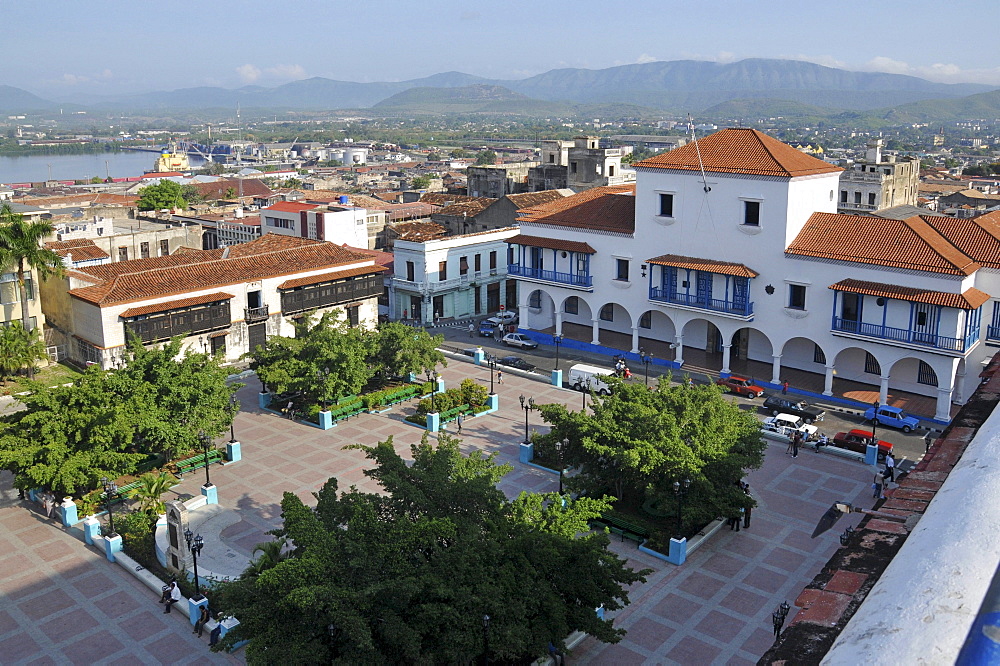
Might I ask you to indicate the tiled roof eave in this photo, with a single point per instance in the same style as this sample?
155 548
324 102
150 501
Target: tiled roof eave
970 299
967 270
707 265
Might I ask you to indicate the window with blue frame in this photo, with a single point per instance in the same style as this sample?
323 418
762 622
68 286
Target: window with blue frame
872 366
819 356
926 375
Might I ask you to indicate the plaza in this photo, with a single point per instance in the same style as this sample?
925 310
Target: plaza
64 603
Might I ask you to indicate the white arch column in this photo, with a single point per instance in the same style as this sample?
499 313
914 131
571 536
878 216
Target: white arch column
776 369
559 321
596 337
883 390
522 319
725 358
942 411
635 339
958 393
679 350
828 380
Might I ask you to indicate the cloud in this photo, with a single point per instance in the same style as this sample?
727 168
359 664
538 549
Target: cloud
72 80
644 58
248 73
939 72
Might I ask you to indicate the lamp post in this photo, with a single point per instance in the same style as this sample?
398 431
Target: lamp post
646 359
876 405
586 390
491 360
561 449
432 376
557 339
527 405
234 405
206 442
486 639
681 491
195 544
778 617
110 488
321 377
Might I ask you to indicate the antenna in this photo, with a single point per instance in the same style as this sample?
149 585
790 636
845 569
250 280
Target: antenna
701 165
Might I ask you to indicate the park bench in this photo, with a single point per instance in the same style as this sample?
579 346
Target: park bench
121 495
344 411
624 528
198 461
451 414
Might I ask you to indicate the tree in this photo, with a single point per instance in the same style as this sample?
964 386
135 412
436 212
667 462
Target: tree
272 553
433 156
292 183
21 250
485 158
402 349
459 153
191 194
19 349
165 194
420 182
150 491
213 168
406 576
638 441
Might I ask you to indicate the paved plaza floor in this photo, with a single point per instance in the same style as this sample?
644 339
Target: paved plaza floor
64 603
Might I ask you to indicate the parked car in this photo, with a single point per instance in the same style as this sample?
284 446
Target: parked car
783 404
488 328
506 316
740 386
784 427
858 440
519 340
891 416
515 362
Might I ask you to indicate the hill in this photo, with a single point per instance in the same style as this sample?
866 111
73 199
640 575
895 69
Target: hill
449 100
16 100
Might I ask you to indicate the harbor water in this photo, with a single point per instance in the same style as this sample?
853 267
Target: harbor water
37 168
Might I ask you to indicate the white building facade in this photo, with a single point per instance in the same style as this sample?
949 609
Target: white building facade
452 277
733 249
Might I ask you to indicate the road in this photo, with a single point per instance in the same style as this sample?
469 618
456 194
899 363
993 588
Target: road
905 447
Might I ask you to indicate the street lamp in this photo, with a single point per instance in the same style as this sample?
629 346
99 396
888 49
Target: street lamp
486 639
195 544
110 488
206 442
432 376
646 360
681 491
527 406
321 377
557 339
876 405
234 405
560 449
491 360
586 390
778 617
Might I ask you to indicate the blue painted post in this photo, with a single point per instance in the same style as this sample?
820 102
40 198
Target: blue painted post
234 452
440 385
557 378
600 611
227 624
67 512
194 608
326 420
871 454
678 551
263 399
112 545
527 452
34 493
412 377
91 529
211 494
493 402
433 421
478 356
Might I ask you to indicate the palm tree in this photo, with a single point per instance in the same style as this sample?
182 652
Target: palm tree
21 249
19 349
151 488
271 554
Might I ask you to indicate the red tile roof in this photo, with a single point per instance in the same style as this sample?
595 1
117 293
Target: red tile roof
82 249
739 150
175 305
531 199
551 243
272 255
912 243
331 277
443 199
610 208
85 199
418 231
468 208
978 237
970 299
291 206
708 265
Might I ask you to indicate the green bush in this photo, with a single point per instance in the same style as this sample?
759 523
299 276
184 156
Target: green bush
377 399
472 393
136 530
443 401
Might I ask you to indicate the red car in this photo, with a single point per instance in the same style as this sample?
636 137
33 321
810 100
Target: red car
858 441
740 386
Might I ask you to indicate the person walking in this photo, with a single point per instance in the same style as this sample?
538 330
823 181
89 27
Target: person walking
199 625
499 376
784 387
472 329
877 486
749 509
796 440
890 467
458 420
175 596
791 437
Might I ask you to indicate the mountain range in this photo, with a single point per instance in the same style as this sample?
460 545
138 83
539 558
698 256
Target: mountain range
675 87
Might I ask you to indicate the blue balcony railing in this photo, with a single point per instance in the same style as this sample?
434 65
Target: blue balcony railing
993 333
575 279
906 335
742 308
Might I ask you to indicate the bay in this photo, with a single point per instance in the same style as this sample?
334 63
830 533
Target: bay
36 168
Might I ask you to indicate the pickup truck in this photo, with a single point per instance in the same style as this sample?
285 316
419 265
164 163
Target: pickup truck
784 426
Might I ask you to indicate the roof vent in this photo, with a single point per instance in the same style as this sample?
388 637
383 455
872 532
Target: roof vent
225 252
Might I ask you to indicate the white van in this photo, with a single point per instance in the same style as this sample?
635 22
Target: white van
584 377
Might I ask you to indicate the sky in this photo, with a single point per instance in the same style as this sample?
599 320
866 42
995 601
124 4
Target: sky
65 48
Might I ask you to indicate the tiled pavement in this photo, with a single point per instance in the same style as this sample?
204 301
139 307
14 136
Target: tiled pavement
57 594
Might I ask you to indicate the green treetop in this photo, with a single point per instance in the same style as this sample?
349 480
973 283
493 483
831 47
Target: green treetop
165 194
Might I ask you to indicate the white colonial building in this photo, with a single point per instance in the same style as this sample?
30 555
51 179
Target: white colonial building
224 301
732 248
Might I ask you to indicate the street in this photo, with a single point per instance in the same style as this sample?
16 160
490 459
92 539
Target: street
905 447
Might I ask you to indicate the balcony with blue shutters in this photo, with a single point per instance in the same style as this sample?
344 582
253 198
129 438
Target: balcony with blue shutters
551 261
910 317
690 283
